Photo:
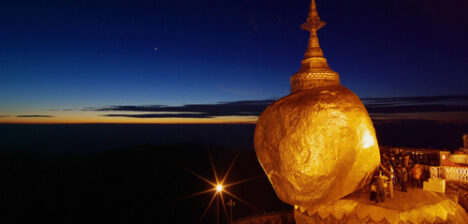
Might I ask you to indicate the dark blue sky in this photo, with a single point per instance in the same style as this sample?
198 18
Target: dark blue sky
78 54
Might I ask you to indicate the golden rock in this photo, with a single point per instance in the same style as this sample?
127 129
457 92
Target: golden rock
317 144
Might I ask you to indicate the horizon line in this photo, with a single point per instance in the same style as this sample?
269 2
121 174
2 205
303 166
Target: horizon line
53 123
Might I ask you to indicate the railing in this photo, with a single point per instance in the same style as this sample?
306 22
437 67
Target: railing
450 173
285 217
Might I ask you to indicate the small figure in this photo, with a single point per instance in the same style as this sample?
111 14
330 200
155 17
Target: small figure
373 191
406 161
391 182
393 161
380 188
385 186
404 180
398 176
416 175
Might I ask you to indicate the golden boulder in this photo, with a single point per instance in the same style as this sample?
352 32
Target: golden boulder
316 145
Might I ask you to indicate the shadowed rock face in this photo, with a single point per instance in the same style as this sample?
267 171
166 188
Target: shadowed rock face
316 145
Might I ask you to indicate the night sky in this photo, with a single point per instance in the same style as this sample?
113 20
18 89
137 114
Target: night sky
223 60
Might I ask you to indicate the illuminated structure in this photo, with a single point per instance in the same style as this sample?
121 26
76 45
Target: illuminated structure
318 146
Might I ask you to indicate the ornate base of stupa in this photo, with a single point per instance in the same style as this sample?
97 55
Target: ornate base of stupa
415 206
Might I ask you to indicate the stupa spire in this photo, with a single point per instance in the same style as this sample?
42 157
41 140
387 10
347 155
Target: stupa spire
312 25
314 71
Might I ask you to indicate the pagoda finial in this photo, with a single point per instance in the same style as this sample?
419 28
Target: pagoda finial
312 25
314 71
313 21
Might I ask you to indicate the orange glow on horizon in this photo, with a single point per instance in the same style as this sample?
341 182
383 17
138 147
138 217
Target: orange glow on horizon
96 118
80 117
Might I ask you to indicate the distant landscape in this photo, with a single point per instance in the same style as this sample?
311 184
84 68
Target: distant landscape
92 138
110 110
135 173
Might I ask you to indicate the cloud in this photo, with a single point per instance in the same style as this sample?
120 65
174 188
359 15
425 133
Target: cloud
418 99
235 108
34 116
168 115
417 104
416 108
426 107
452 109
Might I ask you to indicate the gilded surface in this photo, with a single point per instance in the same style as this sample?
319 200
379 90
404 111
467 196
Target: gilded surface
314 71
316 145
416 206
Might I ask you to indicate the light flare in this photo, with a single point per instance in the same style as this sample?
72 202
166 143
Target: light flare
219 187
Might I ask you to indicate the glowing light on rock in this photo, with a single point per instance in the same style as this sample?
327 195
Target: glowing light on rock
368 140
317 144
